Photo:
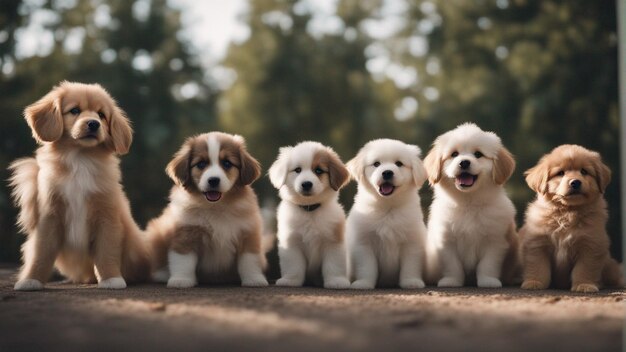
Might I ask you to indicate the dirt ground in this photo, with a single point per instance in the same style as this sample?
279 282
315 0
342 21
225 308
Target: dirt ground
68 317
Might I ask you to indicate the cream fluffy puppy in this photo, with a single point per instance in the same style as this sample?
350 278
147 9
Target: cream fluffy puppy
310 219
385 232
471 229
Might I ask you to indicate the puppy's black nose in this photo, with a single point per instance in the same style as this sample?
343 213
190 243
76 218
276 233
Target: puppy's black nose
465 164
307 185
387 175
575 184
214 181
93 125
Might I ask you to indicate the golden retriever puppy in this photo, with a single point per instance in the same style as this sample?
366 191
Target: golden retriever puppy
564 242
471 229
211 229
311 221
72 204
385 231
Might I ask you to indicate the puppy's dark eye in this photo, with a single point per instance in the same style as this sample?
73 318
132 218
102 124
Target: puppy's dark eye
75 111
478 155
318 171
455 154
227 164
376 164
201 165
297 170
101 115
584 172
399 164
560 173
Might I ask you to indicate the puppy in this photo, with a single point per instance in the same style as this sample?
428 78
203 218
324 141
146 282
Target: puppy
564 241
211 228
471 229
73 208
385 231
310 220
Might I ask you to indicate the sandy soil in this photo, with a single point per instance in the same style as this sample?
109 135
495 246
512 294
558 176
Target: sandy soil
150 317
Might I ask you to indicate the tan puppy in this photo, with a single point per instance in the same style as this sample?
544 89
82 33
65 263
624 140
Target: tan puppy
73 207
564 241
212 227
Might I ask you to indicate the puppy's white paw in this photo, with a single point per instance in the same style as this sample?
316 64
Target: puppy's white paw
181 282
362 285
487 281
28 285
255 281
337 283
113 283
412 283
288 282
450 281
161 276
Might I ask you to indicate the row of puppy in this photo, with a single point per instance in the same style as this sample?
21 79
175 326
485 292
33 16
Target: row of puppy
78 219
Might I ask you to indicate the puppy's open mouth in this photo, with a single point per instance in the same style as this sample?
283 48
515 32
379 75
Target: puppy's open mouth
465 180
213 196
89 136
386 189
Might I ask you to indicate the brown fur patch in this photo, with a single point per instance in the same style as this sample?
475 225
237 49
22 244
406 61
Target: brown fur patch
329 161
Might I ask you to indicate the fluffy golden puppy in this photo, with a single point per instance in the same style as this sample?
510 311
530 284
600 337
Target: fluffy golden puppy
73 207
564 241
212 227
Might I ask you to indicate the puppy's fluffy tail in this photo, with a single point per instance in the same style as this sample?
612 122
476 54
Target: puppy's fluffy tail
23 181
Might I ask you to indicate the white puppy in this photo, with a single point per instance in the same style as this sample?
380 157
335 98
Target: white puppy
471 228
310 220
385 230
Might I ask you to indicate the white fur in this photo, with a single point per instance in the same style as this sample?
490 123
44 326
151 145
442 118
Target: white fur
214 169
467 227
113 283
28 285
182 269
385 235
308 242
249 267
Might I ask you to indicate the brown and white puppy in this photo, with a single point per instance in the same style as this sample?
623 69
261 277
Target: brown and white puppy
311 221
211 228
564 241
471 229
73 207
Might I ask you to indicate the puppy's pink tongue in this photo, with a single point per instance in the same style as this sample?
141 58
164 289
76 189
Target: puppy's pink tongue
465 179
213 196
386 189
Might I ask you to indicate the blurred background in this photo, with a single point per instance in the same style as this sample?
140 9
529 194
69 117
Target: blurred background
537 72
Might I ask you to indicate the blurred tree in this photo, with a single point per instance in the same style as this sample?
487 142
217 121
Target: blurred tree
539 73
132 49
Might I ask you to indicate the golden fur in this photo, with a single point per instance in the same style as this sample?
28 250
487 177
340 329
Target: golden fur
73 207
218 232
564 243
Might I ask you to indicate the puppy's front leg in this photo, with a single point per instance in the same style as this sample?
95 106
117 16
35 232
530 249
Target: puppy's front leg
451 267
334 267
536 255
183 256
292 266
108 256
40 252
587 271
411 259
364 267
250 267
490 266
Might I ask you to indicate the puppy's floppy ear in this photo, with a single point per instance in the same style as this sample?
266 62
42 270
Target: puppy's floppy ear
433 163
278 170
250 169
503 166
537 177
45 117
121 131
417 167
602 172
178 168
356 167
338 174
